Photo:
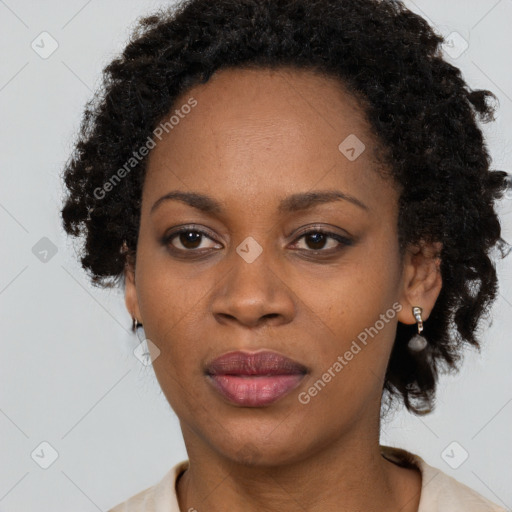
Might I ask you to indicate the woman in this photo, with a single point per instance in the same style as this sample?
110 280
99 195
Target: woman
297 200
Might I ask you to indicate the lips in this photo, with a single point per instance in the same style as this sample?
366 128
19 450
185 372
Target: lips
254 363
254 379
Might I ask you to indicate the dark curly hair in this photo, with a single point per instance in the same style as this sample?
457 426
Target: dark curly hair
418 105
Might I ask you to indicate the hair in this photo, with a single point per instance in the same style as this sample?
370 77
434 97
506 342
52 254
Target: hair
418 105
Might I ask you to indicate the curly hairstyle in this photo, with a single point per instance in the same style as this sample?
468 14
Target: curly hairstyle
418 106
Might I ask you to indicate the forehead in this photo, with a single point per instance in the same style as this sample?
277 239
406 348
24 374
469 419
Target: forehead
303 92
262 131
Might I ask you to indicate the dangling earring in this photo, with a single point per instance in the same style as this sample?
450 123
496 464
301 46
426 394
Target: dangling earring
417 343
137 327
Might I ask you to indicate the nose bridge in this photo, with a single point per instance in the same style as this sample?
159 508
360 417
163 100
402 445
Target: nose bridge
252 288
251 277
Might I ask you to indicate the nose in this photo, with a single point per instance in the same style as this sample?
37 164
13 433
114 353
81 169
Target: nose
253 293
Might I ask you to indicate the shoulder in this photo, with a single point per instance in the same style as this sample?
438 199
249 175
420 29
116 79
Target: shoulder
441 492
160 497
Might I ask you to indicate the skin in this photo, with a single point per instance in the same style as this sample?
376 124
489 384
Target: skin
254 138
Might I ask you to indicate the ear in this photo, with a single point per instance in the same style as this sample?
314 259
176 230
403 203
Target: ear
421 280
130 291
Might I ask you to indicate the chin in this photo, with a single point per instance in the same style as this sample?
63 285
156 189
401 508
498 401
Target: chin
251 449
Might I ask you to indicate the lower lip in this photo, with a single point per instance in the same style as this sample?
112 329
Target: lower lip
253 390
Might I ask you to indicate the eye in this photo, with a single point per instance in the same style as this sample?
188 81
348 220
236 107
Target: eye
187 239
317 239
190 239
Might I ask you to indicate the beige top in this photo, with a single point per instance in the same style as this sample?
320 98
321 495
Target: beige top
440 492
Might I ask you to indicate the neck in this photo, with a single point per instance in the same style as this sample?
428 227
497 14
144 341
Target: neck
347 476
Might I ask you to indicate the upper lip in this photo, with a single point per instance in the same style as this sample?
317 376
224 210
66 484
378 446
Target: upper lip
264 362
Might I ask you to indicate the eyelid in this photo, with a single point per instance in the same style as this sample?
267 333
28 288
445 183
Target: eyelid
322 228
189 227
345 237
342 240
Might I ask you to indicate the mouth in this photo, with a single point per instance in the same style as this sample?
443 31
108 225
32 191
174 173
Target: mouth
254 379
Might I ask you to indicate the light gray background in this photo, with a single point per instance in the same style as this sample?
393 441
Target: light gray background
68 375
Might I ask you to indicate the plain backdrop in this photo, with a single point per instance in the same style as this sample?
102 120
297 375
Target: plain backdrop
72 394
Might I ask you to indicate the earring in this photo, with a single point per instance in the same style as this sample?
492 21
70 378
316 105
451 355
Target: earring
417 343
139 329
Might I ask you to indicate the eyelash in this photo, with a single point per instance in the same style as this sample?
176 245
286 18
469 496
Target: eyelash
339 238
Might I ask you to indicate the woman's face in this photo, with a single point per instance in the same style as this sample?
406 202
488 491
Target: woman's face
258 144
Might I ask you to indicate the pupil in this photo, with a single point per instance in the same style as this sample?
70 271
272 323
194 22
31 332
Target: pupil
190 237
318 238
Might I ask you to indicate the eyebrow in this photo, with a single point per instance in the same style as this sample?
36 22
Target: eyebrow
293 203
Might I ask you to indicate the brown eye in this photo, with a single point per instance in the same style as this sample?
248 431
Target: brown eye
316 240
187 239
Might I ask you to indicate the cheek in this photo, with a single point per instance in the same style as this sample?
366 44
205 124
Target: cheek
358 319
175 320
172 305
169 292
358 292
358 325
351 359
